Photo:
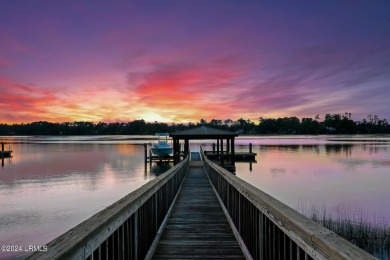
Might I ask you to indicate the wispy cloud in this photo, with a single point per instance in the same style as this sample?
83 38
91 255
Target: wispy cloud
177 61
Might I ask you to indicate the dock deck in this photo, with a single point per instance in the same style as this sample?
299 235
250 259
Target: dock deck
197 226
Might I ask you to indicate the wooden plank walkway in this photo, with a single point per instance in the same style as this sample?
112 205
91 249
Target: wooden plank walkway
197 227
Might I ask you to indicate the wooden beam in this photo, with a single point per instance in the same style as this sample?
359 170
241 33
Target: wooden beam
233 151
221 158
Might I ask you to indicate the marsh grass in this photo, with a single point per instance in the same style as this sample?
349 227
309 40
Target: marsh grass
368 232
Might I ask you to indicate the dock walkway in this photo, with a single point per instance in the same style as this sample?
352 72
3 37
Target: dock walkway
197 226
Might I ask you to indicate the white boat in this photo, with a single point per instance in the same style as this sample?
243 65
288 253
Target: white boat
162 148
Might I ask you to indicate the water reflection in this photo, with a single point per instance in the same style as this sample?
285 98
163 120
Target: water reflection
65 180
311 148
338 149
5 161
330 149
157 168
65 183
376 148
329 173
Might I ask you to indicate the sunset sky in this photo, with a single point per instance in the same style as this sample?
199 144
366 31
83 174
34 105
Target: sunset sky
180 61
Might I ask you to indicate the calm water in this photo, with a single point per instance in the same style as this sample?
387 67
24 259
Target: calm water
338 172
53 183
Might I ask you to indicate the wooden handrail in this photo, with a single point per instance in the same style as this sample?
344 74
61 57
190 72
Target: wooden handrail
125 229
271 229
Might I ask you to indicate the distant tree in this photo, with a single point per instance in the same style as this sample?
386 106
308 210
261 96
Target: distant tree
228 123
339 124
267 126
202 122
216 122
333 123
309 126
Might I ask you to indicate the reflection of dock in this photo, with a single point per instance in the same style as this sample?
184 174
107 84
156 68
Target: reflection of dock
5 154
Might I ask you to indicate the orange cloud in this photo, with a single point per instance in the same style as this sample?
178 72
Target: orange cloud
188 93
21 103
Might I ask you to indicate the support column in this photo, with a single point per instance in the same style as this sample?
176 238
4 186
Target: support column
222 151
176 150
146 154
217 149
233 159
186 147
228 149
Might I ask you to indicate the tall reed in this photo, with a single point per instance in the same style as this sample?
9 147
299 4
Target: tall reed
368 232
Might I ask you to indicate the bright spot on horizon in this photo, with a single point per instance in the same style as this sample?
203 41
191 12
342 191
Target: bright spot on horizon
153 117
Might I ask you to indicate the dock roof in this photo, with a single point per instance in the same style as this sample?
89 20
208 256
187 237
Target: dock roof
203 132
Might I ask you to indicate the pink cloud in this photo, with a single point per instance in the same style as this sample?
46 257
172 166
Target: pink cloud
22 102
189 91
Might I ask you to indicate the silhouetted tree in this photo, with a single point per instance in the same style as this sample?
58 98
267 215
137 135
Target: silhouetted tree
333 123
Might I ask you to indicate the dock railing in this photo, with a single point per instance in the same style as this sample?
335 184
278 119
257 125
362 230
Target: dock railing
269 229
126 229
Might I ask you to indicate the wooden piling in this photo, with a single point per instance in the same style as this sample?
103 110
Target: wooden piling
146 152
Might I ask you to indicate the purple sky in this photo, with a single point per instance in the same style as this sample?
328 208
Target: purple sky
186 60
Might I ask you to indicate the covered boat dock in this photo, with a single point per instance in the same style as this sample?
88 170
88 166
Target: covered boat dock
224 148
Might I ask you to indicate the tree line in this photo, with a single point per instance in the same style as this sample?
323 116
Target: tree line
331 124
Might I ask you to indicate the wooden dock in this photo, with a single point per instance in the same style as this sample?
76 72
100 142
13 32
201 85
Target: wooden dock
197 226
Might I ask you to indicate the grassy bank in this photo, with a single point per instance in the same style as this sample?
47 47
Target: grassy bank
368 232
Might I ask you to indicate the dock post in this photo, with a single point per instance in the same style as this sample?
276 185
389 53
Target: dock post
217 149
2 147
150 157
145 153
213 147
221 158
250 147
186 147
227 147
233 152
